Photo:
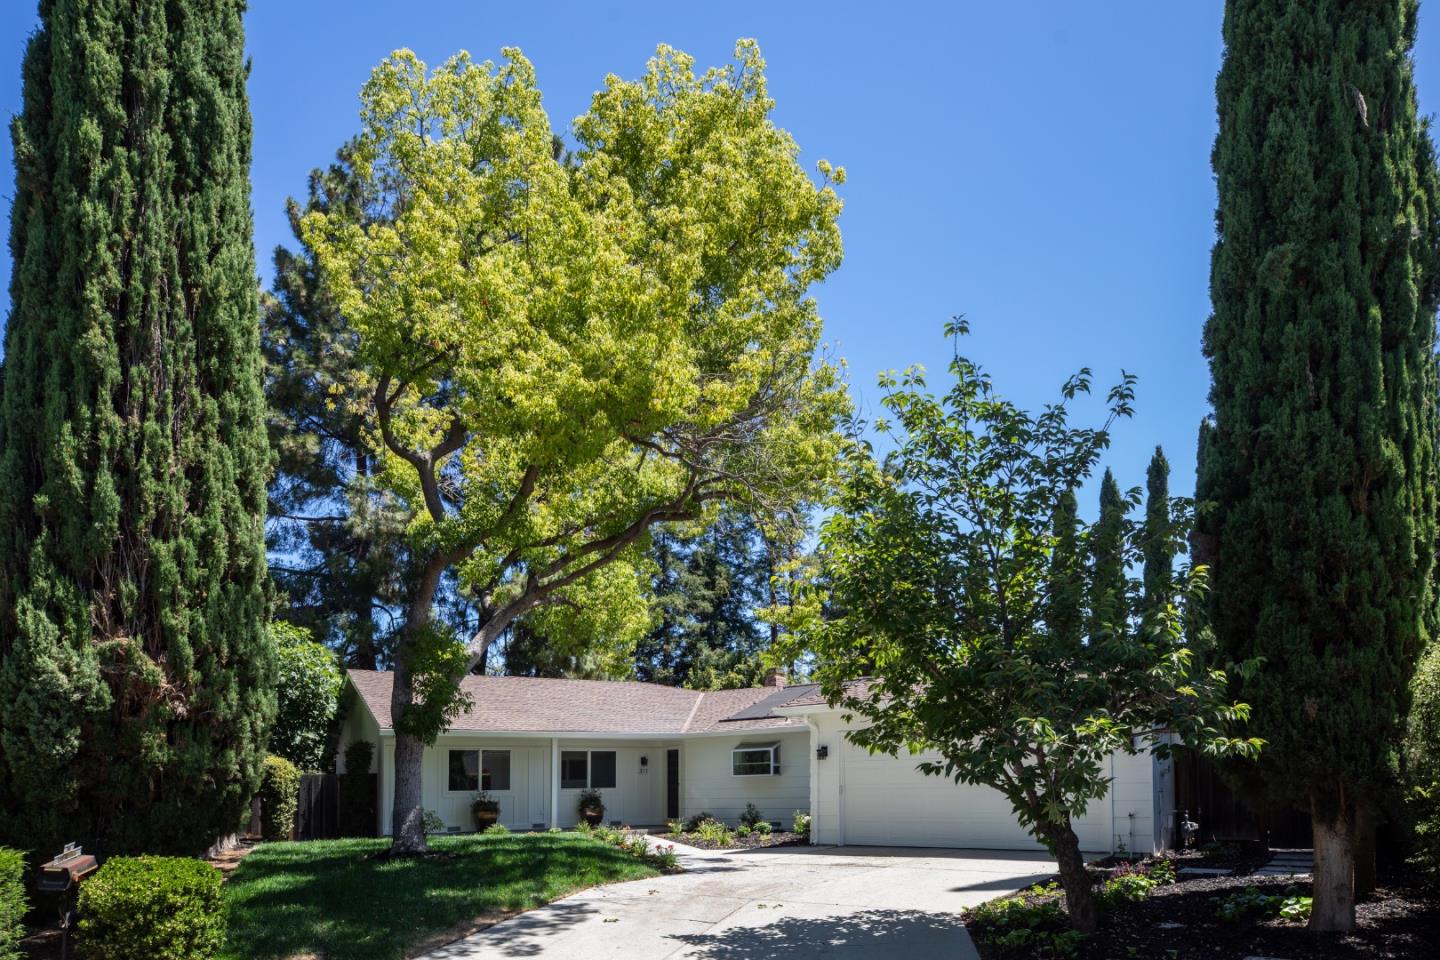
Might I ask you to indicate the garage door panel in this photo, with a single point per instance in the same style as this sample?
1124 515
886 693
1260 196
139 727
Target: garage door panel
887 802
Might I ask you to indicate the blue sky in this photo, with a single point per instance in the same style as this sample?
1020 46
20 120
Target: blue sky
1042 168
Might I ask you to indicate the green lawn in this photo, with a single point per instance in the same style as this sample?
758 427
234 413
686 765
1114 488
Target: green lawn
334 899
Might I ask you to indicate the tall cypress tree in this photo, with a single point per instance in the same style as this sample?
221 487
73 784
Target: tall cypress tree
1319 474
1158 541
1065 606
1108 584
135 669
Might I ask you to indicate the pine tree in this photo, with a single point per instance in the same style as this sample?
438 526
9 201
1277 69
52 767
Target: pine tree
339 540
1318 478
135 667
1158 542
1108 583
1065 614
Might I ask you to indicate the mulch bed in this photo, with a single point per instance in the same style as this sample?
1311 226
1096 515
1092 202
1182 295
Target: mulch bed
750 842
1179 922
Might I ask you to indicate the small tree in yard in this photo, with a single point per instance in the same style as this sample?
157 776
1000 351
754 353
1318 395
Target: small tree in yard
954 565
307 694
563 351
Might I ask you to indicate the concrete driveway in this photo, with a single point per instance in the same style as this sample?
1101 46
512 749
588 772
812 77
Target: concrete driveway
791 902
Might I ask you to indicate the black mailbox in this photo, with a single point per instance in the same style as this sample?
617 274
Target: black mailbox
66 870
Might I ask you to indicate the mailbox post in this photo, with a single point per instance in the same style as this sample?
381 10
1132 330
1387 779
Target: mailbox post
60 876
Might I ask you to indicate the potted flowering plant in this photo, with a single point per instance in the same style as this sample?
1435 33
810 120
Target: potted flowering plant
486 810
591 807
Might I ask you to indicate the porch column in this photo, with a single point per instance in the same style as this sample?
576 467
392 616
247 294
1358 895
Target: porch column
554 781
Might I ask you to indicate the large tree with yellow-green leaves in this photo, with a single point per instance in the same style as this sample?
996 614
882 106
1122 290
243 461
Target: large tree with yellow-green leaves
562 352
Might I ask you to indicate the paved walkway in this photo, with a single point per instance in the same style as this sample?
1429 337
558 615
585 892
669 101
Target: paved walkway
865 903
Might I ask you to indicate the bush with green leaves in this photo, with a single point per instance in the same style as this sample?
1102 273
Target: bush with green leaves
497 829
1252 902
279 798
801 823
764 828
152 908
675 827
751 816
307 694
1421 760
1127 888
432 822
693 822
743 830
1036 926
12 902
713 831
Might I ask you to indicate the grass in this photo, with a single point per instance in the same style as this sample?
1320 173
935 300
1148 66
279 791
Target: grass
335 899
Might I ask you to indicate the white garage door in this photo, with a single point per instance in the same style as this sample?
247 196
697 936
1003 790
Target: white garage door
885 801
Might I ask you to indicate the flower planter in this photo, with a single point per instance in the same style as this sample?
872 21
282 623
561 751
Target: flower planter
485 819
593 815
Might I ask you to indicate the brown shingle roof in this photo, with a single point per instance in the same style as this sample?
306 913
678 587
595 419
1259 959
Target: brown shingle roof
853 688
524 704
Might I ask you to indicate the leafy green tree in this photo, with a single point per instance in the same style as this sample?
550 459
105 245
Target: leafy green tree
564 353
1318 480
941 561
1160 543
136 672
1421 764
335 539
307 693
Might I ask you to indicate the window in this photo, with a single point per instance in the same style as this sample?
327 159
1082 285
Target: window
602 769
574 769
495 770
465 770
587 768
755 760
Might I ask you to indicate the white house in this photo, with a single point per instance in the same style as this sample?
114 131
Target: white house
659 753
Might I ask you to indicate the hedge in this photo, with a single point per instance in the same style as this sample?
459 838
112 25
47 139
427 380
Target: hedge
152 908
1422 763
12 902
279 797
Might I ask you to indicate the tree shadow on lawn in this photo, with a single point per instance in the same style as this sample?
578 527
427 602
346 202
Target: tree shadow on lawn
341 900
866 934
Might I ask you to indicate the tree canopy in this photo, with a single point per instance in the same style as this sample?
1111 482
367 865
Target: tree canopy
561 353
956 567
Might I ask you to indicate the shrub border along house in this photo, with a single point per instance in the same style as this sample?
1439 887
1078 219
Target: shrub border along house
152 908
13 905
279 798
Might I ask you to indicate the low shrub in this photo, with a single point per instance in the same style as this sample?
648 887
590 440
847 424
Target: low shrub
713 831
1252 902
12 902
1038 928
801 824
279 798
743 830
1129 888
497 830
675 828
693 823
751 816
432 822
152 908
764 828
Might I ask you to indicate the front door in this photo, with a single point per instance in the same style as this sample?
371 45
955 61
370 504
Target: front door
672 784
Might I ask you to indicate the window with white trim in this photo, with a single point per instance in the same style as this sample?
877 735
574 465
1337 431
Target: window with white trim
755 760
587 768
471 770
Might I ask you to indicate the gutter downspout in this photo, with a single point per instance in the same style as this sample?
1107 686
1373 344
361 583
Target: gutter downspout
555 781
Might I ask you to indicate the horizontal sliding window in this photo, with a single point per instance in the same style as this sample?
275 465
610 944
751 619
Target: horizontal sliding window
755 760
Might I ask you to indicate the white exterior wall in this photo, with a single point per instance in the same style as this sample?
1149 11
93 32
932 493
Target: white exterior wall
859 798
358 725
708 785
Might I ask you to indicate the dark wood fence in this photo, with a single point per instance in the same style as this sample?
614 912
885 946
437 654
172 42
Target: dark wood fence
317 817
1225 816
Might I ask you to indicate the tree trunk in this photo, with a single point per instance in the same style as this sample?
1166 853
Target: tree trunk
1364 852
1074 878
407 821
1333 907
